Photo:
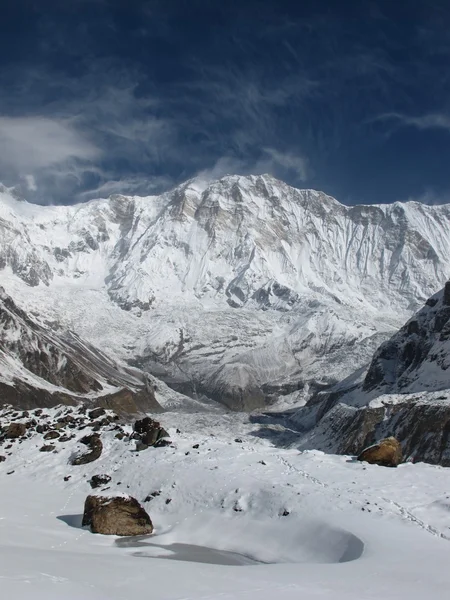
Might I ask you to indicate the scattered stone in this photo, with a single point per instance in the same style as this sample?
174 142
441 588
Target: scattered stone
10 472
51 435
238 440
66 419
95 445
195 446
386 453
38 412
96 413
2 459
67 477
47 448
261 462
120 435
285 513
168 500
116 515
99 480
65 438
42 427
59 425
152 495
15 430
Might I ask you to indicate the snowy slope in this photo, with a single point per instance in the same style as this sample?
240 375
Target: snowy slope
40 365
238 290
245 521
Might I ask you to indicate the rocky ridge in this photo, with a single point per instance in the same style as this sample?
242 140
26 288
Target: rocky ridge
42 365
405 392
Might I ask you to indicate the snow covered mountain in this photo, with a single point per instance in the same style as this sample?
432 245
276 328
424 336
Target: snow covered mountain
238 290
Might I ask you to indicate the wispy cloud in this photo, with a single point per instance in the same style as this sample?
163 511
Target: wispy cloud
427 121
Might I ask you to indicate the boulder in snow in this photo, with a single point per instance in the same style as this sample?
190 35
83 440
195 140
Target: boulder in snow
95 446
116 515
386 453
99 480
16 430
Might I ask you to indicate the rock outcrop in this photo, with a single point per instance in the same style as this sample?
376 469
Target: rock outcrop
386 453
116 515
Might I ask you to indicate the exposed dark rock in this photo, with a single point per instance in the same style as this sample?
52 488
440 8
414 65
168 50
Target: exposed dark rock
148 432
47 448
96 413
66 419
95 446
2 459
118 515
99 480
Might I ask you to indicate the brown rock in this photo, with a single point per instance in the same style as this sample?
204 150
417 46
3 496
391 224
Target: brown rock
66 419
16 430
386 453
116 515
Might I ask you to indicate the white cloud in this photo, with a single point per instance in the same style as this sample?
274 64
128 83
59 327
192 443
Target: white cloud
31 143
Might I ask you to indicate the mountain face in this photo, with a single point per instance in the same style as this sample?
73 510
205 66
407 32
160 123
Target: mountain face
41 366
237 291
405 392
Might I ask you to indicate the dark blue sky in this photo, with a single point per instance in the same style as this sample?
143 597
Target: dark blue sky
103 96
